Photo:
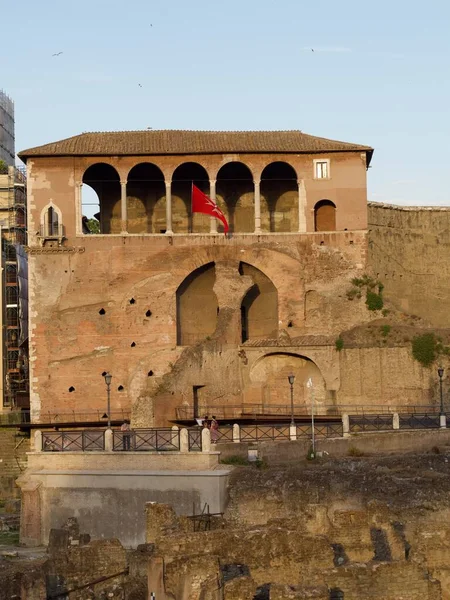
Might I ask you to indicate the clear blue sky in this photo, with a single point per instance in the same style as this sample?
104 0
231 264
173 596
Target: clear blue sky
379 75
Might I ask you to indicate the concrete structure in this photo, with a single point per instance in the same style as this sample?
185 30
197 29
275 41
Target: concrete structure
187 320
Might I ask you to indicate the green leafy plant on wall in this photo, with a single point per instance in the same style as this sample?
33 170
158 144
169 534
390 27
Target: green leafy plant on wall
373 289
3 168
339 344
427 347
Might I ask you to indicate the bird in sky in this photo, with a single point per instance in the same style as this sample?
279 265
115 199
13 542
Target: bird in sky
312 49
139 85
57 54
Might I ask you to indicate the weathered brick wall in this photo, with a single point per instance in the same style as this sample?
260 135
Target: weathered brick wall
13 460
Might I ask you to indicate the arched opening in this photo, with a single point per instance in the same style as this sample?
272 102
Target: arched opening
279 198
146 199
196 306
325 216
105 182
183 221
235 197
270 375
51 223
259 308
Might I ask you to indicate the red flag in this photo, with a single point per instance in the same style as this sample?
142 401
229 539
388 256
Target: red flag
202 204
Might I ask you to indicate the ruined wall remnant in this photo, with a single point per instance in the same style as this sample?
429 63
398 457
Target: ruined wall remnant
409 250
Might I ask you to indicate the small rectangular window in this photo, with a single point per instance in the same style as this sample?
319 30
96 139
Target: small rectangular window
321 169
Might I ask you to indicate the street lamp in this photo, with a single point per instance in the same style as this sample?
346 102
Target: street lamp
108 378
291 379
441 374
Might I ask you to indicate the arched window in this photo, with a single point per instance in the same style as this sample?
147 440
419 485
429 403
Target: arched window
146 199
183 220
51 226
325 216
259 308
196 306
336 594
104 203
235 197
279 198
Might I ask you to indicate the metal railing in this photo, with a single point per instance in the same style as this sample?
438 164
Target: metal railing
257 433
425 421
243 411
223 435
321 430
369 423
145 440
195 439
55 418
73 441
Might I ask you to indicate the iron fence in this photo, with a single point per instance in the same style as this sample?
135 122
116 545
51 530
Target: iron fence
73 441
195 439
370 423
145 440
256 433
321 430
54 418
425 421
224 435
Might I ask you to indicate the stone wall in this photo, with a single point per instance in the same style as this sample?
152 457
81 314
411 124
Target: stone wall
409 251
13 460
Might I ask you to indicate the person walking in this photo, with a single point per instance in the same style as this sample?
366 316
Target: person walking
214 427
126 435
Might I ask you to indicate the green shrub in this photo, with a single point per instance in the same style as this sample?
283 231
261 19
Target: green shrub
374 301
385 312
235 460
352 451
385 330
425 349
339 343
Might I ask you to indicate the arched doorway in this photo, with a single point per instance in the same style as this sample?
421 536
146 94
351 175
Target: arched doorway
235 197
325 216
270 374
279 198
183 220
105 182
146 199
259 308
197 306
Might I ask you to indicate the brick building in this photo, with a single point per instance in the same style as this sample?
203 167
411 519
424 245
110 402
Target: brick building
186 319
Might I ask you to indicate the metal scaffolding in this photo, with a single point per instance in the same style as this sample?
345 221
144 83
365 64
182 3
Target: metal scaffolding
15 292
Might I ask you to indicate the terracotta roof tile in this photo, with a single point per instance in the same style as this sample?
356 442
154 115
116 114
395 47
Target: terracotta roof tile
190 142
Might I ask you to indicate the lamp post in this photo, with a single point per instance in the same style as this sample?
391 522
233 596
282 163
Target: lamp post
441 374
310 386
291 379
108 378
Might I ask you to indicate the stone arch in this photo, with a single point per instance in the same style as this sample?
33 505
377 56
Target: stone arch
146 199
197 306
259 307
270 374
51 221
235 196
279 198
325 216
183 177
105 181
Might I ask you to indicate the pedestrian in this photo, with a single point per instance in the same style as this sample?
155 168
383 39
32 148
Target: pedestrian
126 435
205 422
214 430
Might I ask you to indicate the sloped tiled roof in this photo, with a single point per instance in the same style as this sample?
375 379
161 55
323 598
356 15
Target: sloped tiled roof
191 142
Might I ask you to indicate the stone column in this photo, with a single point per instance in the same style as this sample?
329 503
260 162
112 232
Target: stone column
345 426
184 440
395 421
443 421
78 208
123 207
38 441
257 206
236 433
292 432
206 440
212 195
175 439
30 512
169 208
109 444
301 206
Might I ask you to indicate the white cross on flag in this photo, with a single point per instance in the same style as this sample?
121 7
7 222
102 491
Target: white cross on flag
202 204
